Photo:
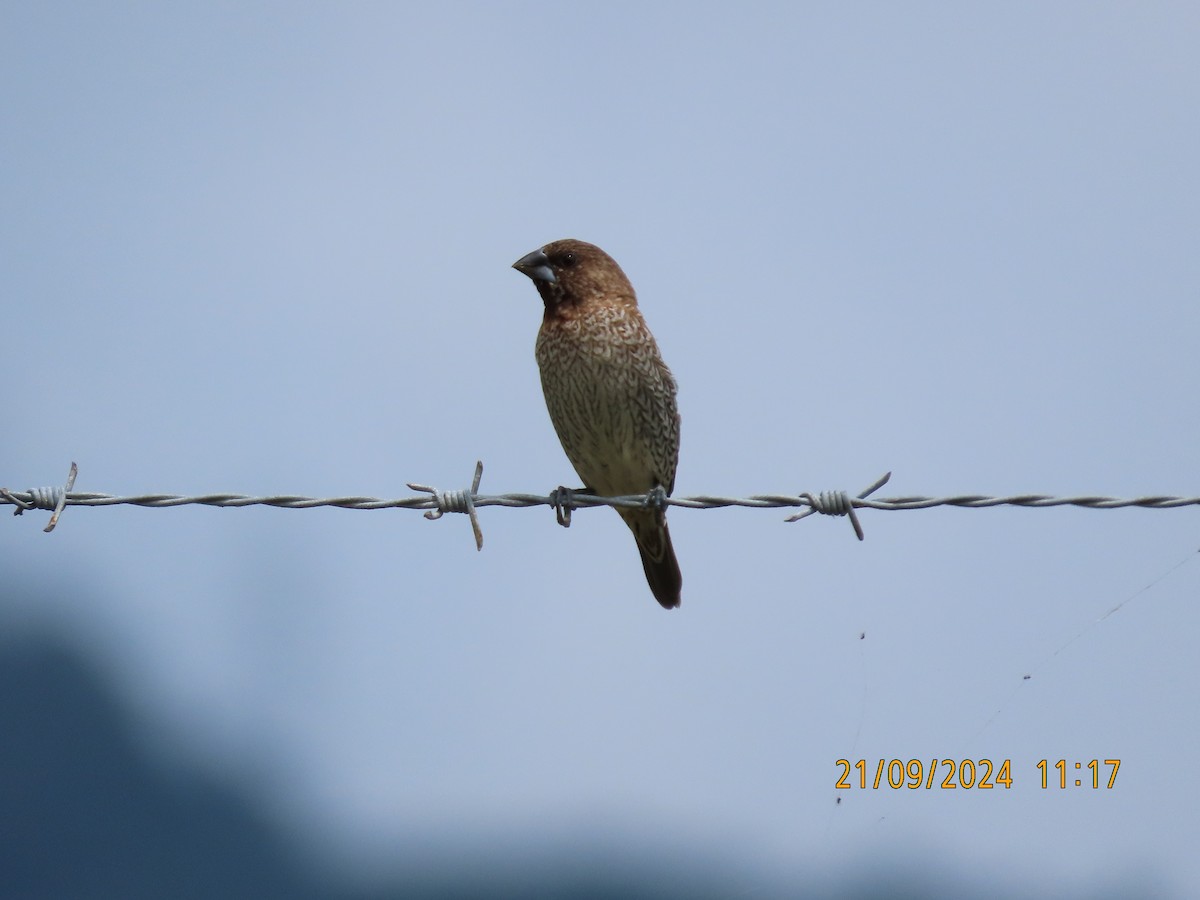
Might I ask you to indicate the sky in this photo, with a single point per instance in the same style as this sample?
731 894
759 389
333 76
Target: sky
265 248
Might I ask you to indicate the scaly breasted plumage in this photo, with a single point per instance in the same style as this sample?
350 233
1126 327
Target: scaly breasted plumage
610 395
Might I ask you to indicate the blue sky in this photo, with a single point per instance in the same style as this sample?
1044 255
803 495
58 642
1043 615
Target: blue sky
262 248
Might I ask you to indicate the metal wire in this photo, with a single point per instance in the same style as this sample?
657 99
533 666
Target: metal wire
437 502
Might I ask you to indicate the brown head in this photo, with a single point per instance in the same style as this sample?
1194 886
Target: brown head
569 273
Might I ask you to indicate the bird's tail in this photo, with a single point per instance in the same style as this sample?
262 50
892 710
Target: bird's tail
658 556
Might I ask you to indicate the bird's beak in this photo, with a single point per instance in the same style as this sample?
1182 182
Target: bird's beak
536 265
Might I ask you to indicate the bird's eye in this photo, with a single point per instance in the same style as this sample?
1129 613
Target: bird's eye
568 259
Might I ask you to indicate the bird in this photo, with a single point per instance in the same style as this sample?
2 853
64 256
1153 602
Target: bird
610 396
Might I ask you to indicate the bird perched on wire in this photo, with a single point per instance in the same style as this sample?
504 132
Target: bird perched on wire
610 395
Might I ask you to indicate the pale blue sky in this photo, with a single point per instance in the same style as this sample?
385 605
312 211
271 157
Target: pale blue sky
265 248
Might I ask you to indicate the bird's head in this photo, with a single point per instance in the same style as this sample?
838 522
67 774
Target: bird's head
571 273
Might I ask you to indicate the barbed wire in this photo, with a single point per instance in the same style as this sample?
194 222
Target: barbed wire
437 503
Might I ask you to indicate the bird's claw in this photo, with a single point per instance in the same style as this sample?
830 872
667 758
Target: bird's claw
563 501
656 499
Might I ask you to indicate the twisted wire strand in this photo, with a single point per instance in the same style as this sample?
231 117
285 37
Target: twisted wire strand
582 501
437 502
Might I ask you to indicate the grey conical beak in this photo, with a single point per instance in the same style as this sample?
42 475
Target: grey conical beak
536 265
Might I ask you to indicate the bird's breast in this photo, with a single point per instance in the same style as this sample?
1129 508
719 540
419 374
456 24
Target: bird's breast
611 399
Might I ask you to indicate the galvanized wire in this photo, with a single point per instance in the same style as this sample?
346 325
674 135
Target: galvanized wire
437 502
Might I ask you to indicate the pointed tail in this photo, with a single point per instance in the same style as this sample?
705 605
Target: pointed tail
658 556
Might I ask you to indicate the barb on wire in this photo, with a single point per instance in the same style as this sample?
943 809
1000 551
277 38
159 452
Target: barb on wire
54 498
437 503
456 501
837 503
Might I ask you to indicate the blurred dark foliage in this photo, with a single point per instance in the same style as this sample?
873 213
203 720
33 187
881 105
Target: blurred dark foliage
86 813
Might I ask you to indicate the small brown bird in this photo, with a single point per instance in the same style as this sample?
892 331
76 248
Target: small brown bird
610 395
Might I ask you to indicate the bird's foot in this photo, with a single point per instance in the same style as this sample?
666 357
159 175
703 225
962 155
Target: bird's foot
656 499
563 501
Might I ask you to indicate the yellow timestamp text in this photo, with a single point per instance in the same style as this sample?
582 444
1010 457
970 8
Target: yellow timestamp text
945 774
970 774
1064 773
